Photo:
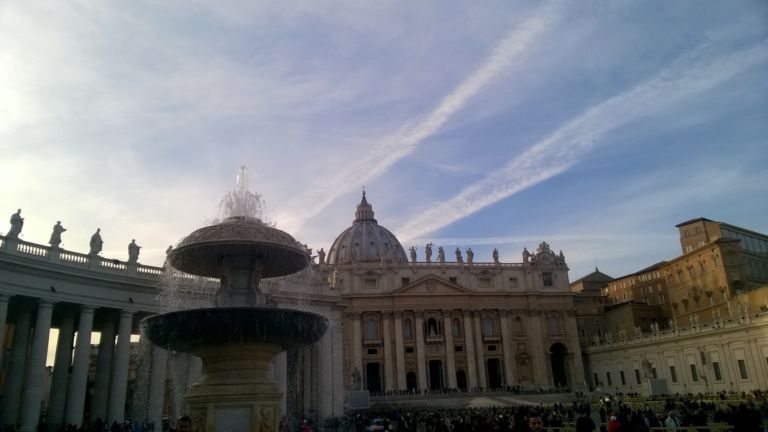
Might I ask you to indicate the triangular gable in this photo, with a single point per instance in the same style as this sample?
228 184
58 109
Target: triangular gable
431 285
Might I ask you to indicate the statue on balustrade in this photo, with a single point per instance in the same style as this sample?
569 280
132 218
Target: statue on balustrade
55 240
458 256
413 254
470 256
133 251
428 252
440 255
321 256
526 256
96 242
17 222
495 256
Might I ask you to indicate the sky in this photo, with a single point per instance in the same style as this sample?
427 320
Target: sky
595 126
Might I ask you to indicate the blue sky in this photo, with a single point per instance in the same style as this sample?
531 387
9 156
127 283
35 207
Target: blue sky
594 126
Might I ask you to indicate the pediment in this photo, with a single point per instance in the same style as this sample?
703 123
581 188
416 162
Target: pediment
431 285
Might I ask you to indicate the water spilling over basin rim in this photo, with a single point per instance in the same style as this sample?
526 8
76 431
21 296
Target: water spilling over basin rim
201 252
189 330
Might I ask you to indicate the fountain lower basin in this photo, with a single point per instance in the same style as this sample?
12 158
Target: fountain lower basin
195 330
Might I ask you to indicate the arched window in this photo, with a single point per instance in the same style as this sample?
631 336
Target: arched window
519 330
408 329
371 329
456 327
433 330
487 327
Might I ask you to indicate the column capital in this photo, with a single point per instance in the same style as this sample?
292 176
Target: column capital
398 314
386 314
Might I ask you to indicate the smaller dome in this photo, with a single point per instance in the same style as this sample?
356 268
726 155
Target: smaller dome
365 241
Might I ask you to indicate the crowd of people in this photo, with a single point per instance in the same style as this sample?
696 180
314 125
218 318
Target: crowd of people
739 412
620 413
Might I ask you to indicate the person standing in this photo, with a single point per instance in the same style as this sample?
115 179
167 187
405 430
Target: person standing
585 423
184 424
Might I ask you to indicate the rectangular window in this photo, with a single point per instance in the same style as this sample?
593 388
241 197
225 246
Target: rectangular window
406 281
672 374
716 369
369 283
547 278
484 282
743 369
694 373
409 350
608 378
513 282
597 381
452 279
373 351
653 372
623 379
491 348
458 348
637 376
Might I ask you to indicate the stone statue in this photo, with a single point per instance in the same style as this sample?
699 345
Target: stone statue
470 256
413 254
355 379
495 255
133 251
17 222
96 242
55 240
561 258
440 255
428 252
321 256
458 256
526 256
168 251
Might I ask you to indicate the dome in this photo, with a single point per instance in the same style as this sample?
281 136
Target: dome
365 241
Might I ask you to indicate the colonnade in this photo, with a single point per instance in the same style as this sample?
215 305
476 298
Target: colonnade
23 396
471 337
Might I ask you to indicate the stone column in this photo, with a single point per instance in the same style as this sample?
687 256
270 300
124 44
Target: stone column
157 385
11 401
399 351
450 362
61 365
100 398
357 346
4 299
469 347
481 380
279 375
119 384
420 354
79 380
506 343
325 373
33 388
537 349
578 365
389 381
338 369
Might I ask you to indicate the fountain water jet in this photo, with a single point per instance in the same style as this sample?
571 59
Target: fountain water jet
237 338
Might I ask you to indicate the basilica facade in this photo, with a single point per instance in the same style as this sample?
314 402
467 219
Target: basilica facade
449 323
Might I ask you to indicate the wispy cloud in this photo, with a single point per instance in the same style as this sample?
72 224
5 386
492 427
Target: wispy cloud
691 74
508 54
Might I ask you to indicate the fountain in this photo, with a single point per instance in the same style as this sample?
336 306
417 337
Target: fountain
238 337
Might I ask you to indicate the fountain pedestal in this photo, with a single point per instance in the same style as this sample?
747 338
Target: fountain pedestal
235 393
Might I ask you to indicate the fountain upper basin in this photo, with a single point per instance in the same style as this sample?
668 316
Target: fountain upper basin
248 240
195 329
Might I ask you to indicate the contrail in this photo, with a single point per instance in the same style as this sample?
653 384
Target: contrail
689 75
508 54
